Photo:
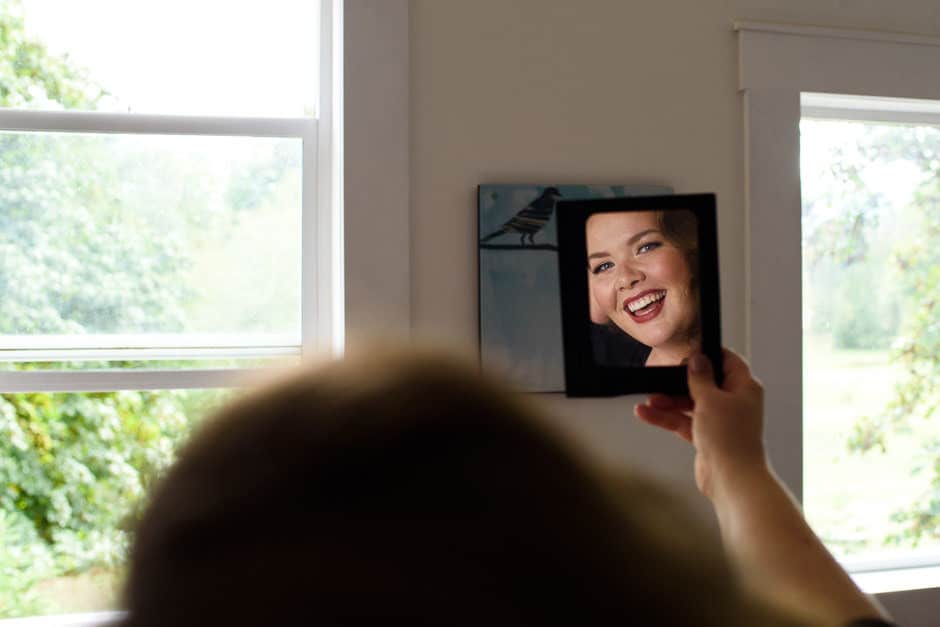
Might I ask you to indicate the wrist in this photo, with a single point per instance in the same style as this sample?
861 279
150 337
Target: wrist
731 480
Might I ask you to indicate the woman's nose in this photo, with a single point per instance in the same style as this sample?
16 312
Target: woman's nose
629 277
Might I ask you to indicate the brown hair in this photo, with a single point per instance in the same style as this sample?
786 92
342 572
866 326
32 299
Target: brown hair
401 488
680 226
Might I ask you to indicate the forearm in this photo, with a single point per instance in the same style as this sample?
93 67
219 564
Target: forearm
780 556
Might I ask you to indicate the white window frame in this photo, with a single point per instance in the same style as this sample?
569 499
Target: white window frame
363 177
321 326
323 322
778 65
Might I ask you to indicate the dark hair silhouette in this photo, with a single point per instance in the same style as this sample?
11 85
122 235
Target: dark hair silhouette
396 488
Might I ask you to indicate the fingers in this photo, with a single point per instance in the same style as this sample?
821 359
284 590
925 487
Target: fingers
737 372
661 401
674 413
700 377
670 420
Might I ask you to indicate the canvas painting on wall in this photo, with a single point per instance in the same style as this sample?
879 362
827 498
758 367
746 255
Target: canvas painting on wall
520 303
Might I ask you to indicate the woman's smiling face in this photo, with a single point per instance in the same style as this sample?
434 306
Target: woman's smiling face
640 280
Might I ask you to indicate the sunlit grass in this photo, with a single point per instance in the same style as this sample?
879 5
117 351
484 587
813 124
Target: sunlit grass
849 497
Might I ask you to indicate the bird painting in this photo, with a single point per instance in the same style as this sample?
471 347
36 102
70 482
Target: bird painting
519 295
530 219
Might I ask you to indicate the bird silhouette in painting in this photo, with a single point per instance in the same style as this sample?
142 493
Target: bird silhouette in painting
531 218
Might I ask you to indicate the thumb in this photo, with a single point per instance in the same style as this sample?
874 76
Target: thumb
701 380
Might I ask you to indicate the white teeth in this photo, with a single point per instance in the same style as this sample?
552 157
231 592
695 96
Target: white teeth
646 301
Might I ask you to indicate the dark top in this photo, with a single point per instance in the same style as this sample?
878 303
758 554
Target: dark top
614 348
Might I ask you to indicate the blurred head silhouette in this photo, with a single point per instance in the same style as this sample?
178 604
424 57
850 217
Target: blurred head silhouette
400 487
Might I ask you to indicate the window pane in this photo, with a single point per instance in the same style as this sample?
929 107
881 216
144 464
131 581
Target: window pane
75 470
871 346
193 236
156 364
211 57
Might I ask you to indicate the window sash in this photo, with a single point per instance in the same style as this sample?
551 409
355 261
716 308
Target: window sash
146 347
869 109
317 270
112 380
151 124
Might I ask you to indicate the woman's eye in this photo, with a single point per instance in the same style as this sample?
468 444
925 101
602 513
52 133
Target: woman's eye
648 246
602 267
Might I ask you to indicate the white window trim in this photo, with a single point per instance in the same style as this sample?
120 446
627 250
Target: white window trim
149 124
147 346
314 258
778 63
377 220
865 109
325 265
87 619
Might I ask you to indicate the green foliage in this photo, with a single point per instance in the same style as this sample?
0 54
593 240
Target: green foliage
864 318
919 521
75 470
851 287
859 302
24 561
30 77
867 435
917 396
75 261
843 236
73 466
257 181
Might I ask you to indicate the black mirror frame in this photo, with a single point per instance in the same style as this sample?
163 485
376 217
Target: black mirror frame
583 375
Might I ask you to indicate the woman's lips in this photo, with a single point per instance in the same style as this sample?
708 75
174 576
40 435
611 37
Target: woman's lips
649 310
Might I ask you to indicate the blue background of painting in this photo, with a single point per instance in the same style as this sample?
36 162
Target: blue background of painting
520 303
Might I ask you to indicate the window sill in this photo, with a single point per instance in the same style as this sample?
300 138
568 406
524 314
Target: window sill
90 619
898 579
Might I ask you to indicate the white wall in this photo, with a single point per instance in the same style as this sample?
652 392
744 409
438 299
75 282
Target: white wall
562 91
588 91
605 91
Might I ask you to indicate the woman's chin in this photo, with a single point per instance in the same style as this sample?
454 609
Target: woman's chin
658 358
643 335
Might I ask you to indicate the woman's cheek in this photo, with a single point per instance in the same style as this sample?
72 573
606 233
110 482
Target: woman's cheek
676 268
601 292
608 295
598 312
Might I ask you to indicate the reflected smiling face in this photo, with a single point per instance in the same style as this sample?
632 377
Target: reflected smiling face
639 280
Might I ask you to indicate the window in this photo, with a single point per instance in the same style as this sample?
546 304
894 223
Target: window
167 227
857 89
870 228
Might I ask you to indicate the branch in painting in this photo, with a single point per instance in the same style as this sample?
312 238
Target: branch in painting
519 246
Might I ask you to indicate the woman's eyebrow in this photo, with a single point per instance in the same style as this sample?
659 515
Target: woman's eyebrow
637 237
633 239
